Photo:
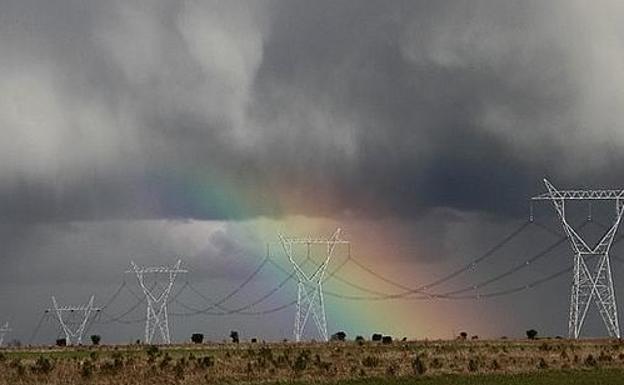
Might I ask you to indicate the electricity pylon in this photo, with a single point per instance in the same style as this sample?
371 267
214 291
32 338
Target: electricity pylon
589 285
67 326
4 330
157 317
310 287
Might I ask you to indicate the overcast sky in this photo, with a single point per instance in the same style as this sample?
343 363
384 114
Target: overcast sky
156 129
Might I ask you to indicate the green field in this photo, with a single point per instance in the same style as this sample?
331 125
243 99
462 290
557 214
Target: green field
555 377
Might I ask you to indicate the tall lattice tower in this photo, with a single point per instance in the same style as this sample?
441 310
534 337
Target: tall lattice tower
73 329
592 280
4 330
310 300
157 317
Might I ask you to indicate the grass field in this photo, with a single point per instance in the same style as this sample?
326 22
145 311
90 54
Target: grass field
347 363
550 377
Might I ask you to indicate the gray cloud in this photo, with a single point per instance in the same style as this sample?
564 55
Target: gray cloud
399 104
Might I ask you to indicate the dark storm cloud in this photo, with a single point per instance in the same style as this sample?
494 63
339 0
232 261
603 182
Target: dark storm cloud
385 109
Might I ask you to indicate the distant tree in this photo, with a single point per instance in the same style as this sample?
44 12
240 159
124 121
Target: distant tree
376 337
254 340
197 338
95 339
359 339
463 335
340 336
531 334
404 339
474 337
386 340
234 337
61 342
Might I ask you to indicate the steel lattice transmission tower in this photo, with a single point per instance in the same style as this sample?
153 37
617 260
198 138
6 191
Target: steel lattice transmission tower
157 317
4 330
310 300
72 332
589 284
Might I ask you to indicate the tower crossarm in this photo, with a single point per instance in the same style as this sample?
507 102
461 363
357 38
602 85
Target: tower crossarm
580 195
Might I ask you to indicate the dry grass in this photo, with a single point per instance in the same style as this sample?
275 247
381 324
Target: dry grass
252 363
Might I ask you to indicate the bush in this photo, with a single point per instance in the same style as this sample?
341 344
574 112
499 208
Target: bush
359 340
43 365
370 361
340 336
95 339
61 342
386 340
418 364
531 334
463 335
590 361
234 337
376 337
302 360
205 362
197 338
473 365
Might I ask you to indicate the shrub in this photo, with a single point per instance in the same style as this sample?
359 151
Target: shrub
531 334
95 339
359 340
43 365
542 364
386 340
302 360
86 369
205 362
152 351
340 336
61 342
376 337
590 361
197 338
234 336
473 365
370 361
418 365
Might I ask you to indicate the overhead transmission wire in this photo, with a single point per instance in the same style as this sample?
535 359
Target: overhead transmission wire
380 295
453 294
242 309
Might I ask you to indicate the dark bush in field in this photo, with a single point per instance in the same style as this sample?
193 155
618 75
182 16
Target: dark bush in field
531 334
61 342
386 340
95 339
234 337
376 337
340 336
197 338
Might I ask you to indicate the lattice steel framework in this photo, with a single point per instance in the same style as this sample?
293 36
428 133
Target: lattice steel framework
310 287
4 330
71 331
157 317
596 284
